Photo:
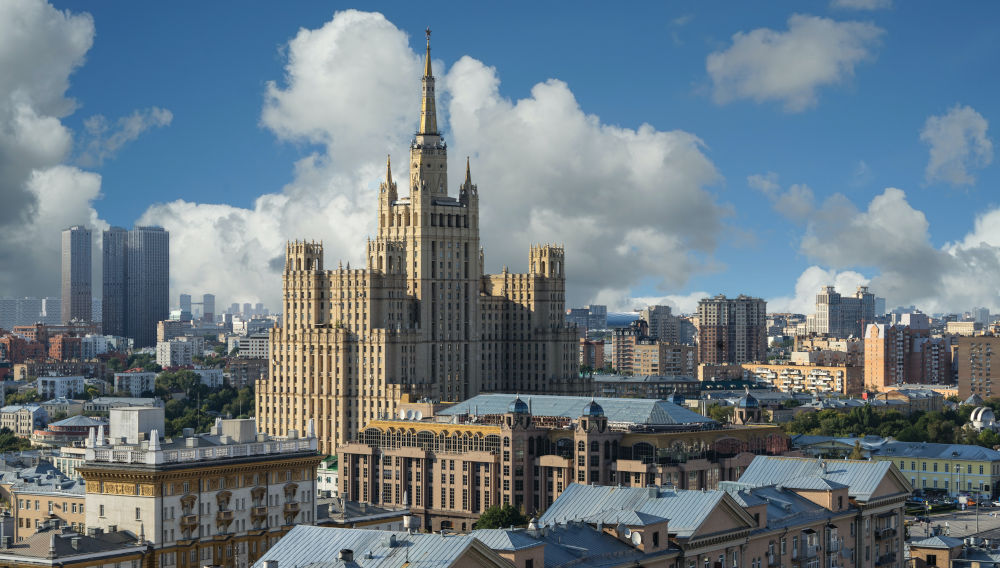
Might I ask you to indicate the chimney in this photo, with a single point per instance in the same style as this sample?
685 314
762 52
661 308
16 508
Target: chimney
346 554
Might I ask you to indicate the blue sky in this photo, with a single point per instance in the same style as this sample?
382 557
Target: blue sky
826 105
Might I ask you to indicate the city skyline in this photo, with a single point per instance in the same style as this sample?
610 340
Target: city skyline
683 198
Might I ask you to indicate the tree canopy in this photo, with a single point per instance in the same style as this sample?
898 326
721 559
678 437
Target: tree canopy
497 517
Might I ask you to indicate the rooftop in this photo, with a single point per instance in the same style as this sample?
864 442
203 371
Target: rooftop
58 543
319 547
639 411
861 477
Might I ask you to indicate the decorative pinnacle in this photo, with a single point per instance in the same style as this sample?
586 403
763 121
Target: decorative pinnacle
427 58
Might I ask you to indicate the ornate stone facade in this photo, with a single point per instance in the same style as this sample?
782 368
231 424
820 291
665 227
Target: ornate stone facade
422 319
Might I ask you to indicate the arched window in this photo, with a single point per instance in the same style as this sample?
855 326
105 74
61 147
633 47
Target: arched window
506 441
643 451
581 446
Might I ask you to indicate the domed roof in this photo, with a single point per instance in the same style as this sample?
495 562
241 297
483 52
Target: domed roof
518 406
593 409
748 400
982 414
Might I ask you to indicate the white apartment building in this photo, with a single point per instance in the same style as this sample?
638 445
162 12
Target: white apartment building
59 387
135 382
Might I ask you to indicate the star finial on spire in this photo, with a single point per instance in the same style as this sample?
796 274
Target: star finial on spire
427 57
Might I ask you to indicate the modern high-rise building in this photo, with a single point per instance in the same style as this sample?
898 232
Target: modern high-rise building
842 316
663 325
422 320
77 299
732 330
185 306
208 308
975 376
896 354
136 282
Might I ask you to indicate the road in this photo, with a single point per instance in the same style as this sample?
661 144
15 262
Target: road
960 524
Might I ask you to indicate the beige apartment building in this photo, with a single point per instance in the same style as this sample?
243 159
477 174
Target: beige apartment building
451 464
841 379
732 330
421 319
897 354
653 357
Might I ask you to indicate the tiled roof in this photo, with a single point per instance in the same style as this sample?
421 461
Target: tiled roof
628 410
319 547
685 510
861 477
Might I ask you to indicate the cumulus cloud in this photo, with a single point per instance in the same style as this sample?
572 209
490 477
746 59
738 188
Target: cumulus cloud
791 66
861 4
958 143
796 203
40 47
546 172
103 139
891 239
809 284
622 301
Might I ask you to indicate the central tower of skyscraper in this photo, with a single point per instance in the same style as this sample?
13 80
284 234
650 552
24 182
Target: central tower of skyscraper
422 320
77 300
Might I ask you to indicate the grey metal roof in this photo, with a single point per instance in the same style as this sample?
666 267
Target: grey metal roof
570 544
861 477
319 546
504 539
784 508
80 421
671 379
938 542
628 410
685 510
938 451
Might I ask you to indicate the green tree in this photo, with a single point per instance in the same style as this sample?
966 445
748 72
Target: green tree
10 442
497 517
23 397
857 453
720 413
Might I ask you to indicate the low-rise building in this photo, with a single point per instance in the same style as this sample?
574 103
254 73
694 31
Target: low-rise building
37 499
218 498
308 546
59 387
31 370
72 430
106 403
245 372
253 346
948 468
327 479
657 387
179 351
809 378
210 377
495 449
653 357
63 406
61 546
136 382
23 419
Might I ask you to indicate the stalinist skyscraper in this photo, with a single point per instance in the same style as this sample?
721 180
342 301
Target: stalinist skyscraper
421 320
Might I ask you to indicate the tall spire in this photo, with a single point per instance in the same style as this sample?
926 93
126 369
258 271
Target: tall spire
428 112
468 173
388 170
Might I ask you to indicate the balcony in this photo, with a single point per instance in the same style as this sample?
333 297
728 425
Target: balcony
189 521
885 559
885 533
224 516
773 560
809 551
291 508
258 511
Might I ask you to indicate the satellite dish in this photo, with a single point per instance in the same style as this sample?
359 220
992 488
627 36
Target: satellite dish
402 414
636 538
417 415
628 532
409 415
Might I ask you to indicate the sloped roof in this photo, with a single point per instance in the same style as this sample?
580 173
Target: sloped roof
938 542
504 539
630 410
684 510
940 451
861 477
319 546
80 421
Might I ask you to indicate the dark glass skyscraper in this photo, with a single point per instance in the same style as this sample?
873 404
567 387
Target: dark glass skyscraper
136 282
77 301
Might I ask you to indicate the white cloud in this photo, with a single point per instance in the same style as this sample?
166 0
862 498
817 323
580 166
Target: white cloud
103 140
809 284
622 301
790 66
958 143
351 88
861 4
892 240
40 47
795 204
